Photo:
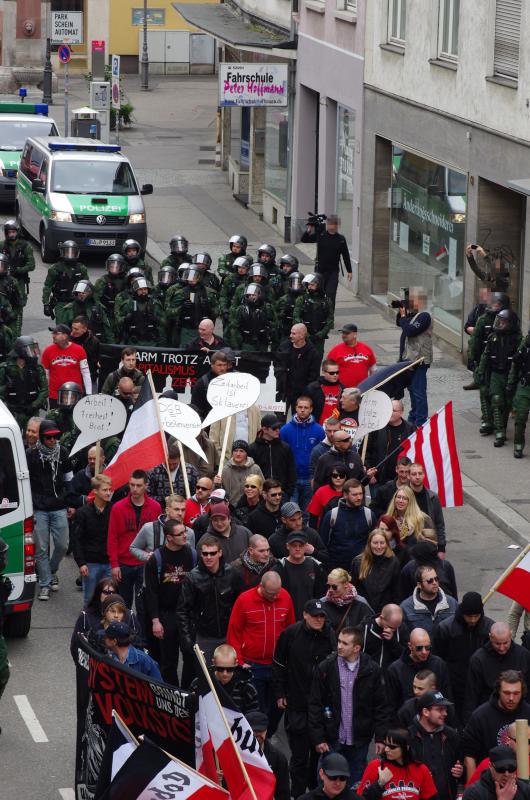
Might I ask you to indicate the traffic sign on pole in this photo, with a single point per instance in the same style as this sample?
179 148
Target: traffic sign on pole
64 53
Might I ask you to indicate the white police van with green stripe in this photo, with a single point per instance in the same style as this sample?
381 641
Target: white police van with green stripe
18 121
79 189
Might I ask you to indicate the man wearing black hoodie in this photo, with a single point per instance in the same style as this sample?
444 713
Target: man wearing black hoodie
273 456
299 364
499 781
458 637
292 521
385 635
267 515
499 654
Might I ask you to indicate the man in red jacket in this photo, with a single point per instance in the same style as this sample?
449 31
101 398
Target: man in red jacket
126 519
258 618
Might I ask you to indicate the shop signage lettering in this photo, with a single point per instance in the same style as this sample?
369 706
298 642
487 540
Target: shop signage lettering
427 214
253 85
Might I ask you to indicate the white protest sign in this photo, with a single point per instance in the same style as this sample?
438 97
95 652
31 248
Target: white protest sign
374 413
228 394
182 422
98 416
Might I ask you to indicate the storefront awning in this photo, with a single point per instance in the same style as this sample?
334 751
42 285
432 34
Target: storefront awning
219 21
521 185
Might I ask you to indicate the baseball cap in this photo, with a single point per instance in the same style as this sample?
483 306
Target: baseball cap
335 766
220 510
257 720
218 496
270 421
315 608
290 509
119 631
350 327
60 329
503 756
430 699
296 536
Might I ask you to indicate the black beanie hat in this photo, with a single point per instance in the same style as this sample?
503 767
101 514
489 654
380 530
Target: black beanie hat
471 603
240 444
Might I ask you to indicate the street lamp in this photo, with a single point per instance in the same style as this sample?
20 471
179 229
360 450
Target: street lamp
48 74
144 60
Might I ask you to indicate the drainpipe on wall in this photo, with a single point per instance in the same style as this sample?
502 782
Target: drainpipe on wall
291 89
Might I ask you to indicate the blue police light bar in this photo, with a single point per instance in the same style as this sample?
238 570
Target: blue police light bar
79 147
8 107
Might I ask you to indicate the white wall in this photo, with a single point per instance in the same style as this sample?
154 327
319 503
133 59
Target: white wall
464 93
276 11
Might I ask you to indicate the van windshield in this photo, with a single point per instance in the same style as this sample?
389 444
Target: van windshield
93 177
13 134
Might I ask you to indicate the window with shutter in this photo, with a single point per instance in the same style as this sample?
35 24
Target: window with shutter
507 38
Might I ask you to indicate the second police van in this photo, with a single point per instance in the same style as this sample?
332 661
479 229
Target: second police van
80 189
18 121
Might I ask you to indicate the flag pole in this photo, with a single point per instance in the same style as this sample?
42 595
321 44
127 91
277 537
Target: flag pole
161 430
419 360
184 473
98 457
129 732
505 574
200 657
225 445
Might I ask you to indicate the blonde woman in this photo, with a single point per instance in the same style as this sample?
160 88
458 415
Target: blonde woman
376 572
250 499
343 606
410 518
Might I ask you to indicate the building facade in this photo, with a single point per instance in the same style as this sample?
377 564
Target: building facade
446 152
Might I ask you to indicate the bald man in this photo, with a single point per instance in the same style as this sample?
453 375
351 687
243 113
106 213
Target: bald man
254 561
206 340
499 654
299 364
385 636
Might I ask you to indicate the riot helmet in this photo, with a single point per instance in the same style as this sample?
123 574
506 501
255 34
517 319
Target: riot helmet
82 290
26 347
11 230
115 265
313 279
242 264
68 394
505 321
4 552
178 245
141 283
253 294
267 252
4 264
288 264
202 260
134 246
69 251
182 272
133 273
192 275
258 272
295 282
239 241
167 276
499 301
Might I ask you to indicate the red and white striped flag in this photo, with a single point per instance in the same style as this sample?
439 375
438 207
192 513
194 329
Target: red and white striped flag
434 447
516 585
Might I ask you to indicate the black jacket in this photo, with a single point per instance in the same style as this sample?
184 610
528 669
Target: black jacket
384 495
206 602
383 651
484 668
198 394
369 702
484 789
381 443
316 393
443 568
276 460
280 767
382 584
330 248
80 487
89 535
48 489
400 676
306 581
263 521
279 548
487 723
159 595
251 579
297 366
409 710
299 650
455 642
439 751
347 616
318 794
351 460
240 689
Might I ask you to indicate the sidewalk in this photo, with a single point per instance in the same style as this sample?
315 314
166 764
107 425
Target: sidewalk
172 146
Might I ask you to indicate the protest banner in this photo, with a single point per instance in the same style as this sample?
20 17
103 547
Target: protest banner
97 416
149 707
181 422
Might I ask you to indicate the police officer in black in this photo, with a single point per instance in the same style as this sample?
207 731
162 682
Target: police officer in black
23 384
109 286
253 324
285 305
198 301
61 279
484 327
203 262
167 276
178 252
5 590
331 247
286 266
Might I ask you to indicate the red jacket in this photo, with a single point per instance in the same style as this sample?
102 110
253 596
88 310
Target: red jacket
255 625
123 529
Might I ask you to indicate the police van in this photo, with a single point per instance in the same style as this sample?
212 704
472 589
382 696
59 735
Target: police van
18 121
16 525
80 189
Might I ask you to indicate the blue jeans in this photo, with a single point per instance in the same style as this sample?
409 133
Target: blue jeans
95 573
302 493
419 412
54 524
132 578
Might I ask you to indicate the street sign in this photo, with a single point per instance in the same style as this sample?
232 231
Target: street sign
66 27
253 84
115 82
64 53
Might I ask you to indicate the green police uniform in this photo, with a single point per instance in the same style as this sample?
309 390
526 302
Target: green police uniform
492 376
21 263
24 389
225 265
106 290
519 382
141 320
315 310
268 292
253 327
98 321
176 260
196 303
139 262
60 281
285 312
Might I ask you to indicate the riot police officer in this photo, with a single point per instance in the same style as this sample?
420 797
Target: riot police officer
84 304
6 588
167 277
285 306
178 252
203 262
484 327
61 279
315 309
21 263
519 383
267 257
287 265
23 384
9 286
68 395
225 264
253 324
258 273
142 319
231 282
132 253
109 286
197 302
126 293
492 373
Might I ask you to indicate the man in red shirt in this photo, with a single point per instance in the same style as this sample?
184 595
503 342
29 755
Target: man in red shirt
355 359
65 361
258 618
126 519
326 391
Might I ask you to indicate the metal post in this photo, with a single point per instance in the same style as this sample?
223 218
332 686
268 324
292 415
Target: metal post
144 60
66 99
47 74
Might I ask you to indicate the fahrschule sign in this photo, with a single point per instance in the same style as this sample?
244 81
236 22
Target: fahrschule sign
252 84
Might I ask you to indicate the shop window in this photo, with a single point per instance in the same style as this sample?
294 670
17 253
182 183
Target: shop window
345 168
397 19
448 29
276 144
427 232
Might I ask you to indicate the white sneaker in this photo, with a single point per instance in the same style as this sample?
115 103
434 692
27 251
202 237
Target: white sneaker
54 583
44 593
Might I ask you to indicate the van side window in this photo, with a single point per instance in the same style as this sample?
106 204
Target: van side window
25 161
44 171
9 498
34 163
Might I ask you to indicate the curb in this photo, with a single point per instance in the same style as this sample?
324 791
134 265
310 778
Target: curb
154 252
502 515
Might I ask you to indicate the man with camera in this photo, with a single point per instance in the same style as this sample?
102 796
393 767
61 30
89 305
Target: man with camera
416 342
331 246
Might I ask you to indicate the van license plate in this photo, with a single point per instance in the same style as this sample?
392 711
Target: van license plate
100 242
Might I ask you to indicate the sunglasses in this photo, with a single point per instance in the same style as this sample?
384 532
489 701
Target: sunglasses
333 586
206 554
420 647
251 486
107 591
337 474
430 581
390 746
275 494
180 533
504 770
337 777
225 669
335 372
341 441
202 488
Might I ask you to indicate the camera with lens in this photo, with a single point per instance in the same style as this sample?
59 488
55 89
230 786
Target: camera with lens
403 302
317 221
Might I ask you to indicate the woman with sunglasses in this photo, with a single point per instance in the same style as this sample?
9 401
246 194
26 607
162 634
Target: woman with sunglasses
250 499
343 606
396 775
388 525
376 572
410 518
320 502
